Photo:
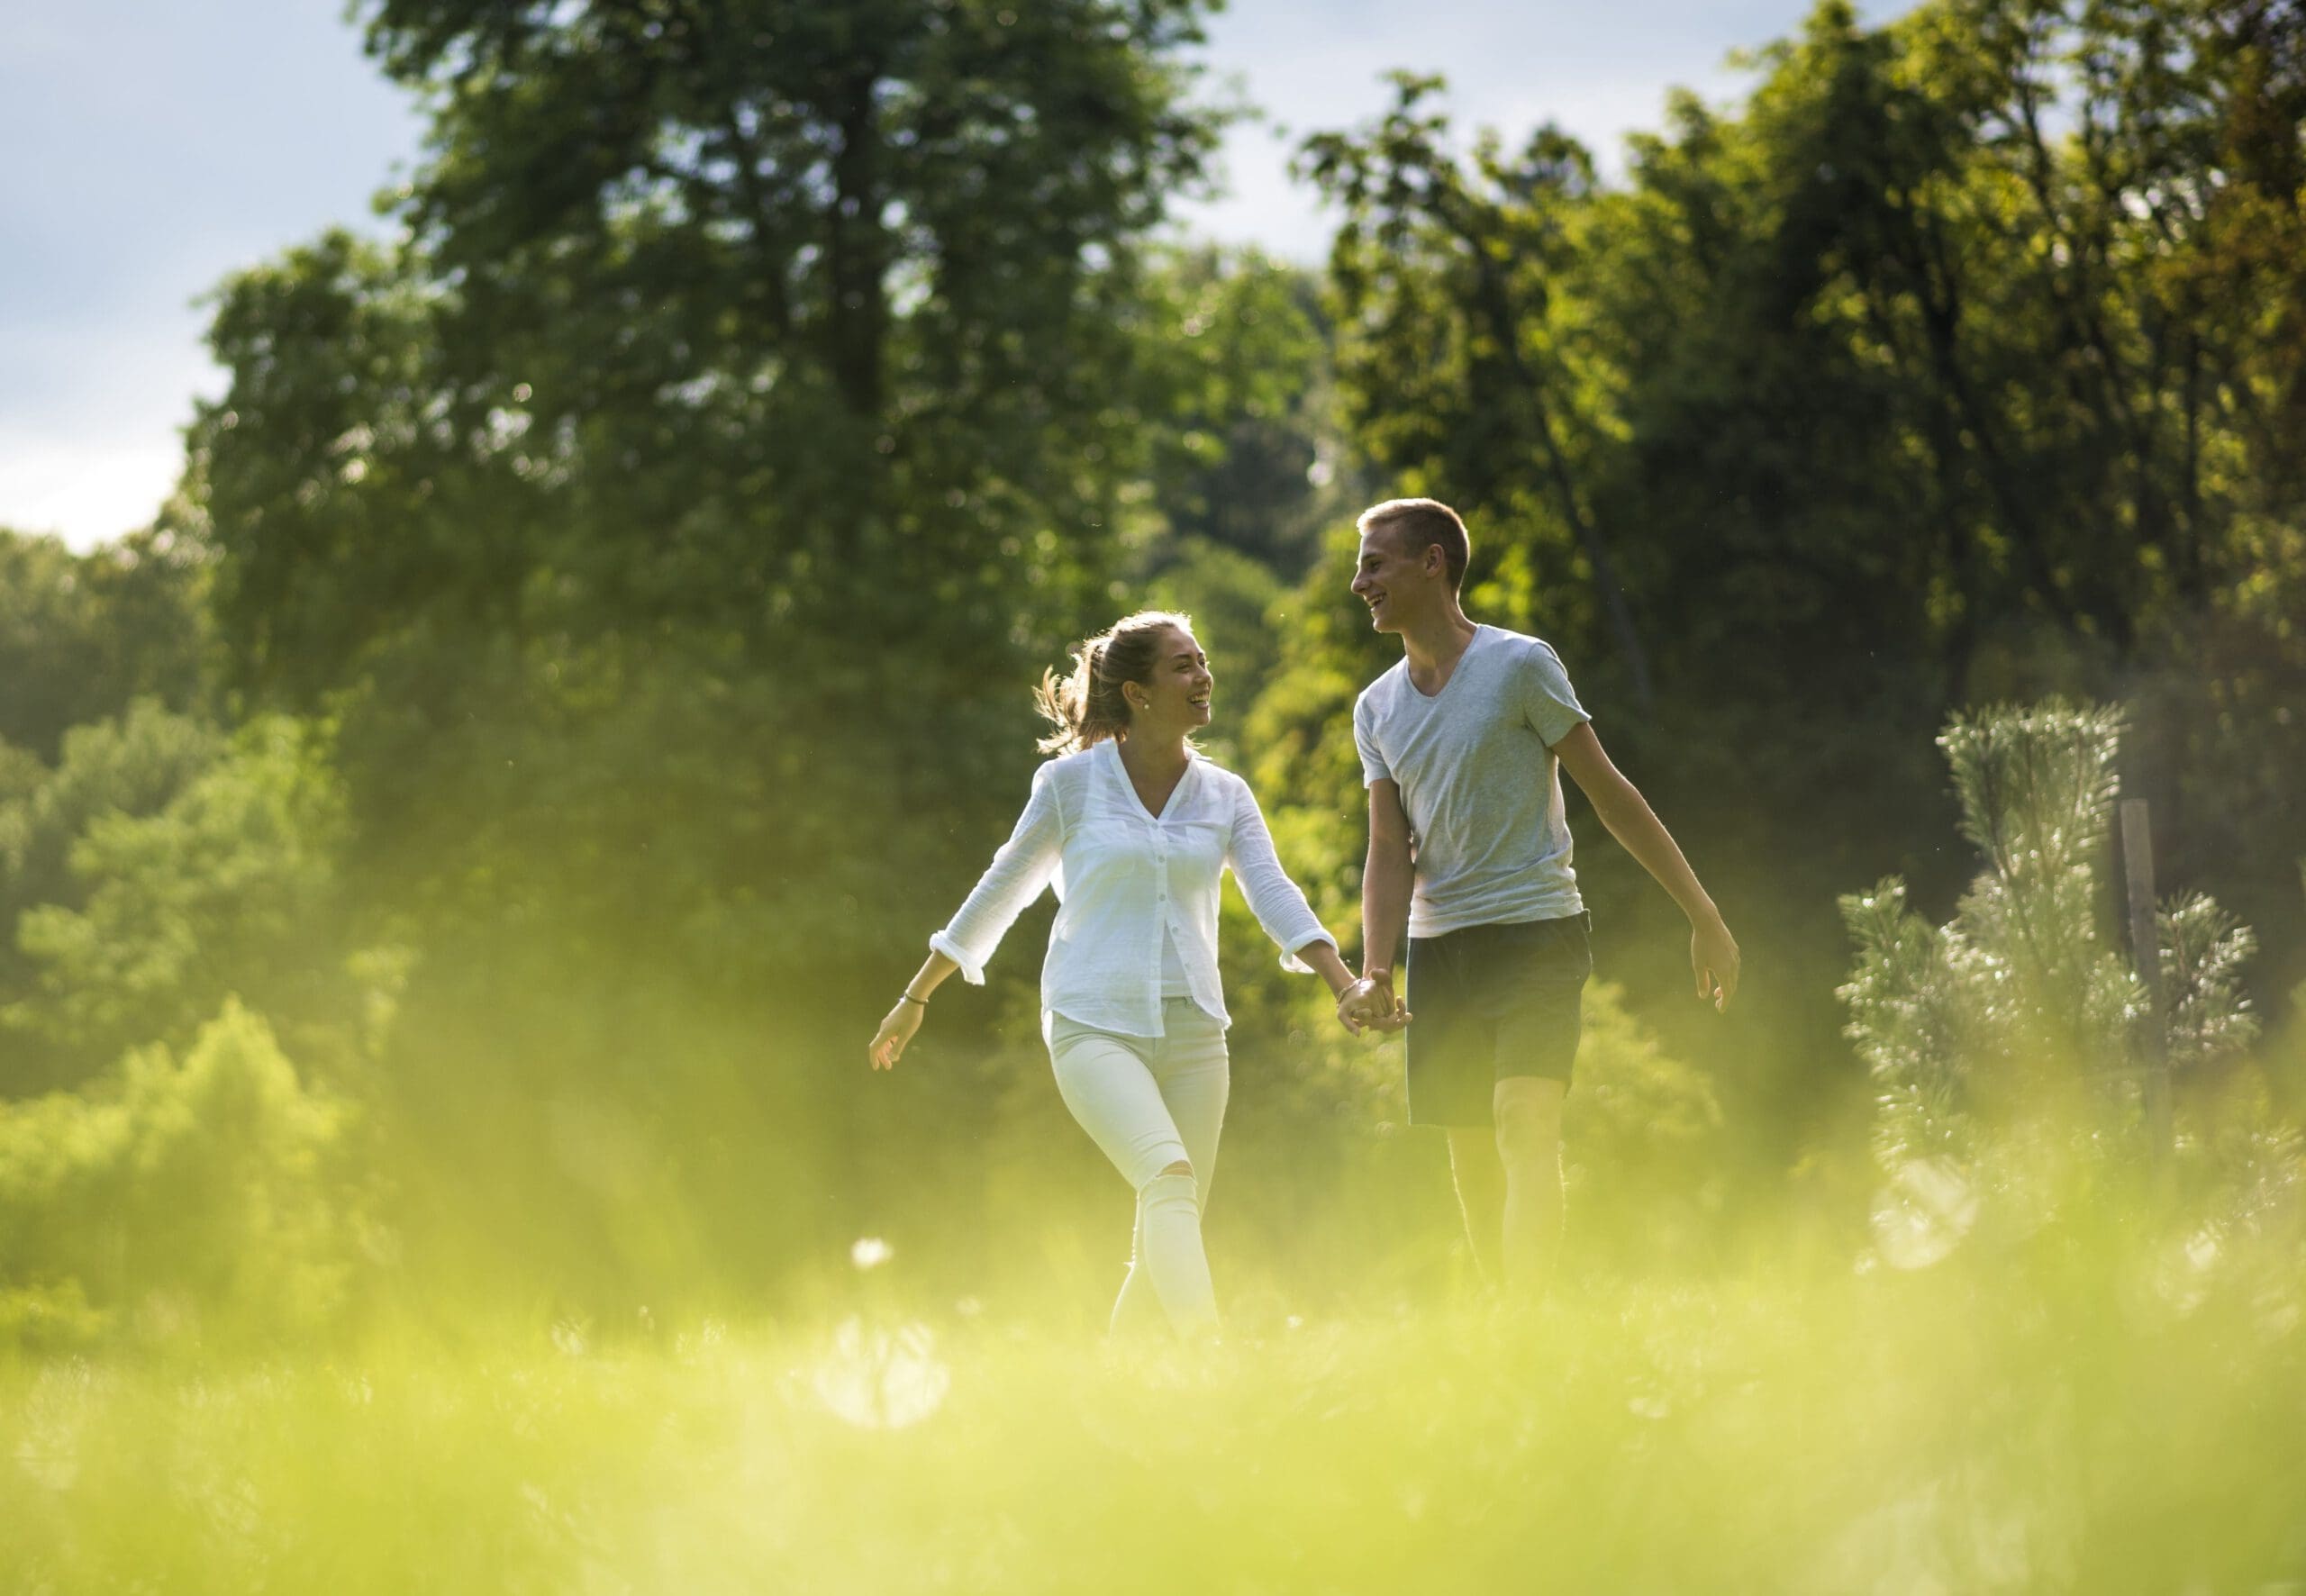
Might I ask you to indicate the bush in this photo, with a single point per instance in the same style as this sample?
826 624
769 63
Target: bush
172 1197
2006 1044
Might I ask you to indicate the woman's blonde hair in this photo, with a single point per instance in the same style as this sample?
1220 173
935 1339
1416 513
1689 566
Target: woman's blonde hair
1085 706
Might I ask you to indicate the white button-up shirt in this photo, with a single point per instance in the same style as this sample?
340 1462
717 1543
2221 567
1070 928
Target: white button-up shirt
1123 877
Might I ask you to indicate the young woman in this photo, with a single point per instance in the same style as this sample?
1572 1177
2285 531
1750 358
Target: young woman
1135 828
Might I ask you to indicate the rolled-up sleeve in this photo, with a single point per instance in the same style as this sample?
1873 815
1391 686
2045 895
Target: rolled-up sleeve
1280 907
1020 870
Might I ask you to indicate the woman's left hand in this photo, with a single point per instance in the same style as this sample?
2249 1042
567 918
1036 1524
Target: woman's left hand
898 1028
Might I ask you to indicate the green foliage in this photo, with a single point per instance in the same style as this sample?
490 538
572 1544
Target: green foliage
81 635
233 886
1246 457
2211 1019
1995 1040
791 373
1900 384
842 310
181 1201
162 867
1466 368
135 766
131 765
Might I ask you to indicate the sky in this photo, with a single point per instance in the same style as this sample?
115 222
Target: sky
149 148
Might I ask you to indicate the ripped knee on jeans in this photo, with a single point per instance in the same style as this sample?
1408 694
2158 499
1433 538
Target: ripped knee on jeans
1174 1185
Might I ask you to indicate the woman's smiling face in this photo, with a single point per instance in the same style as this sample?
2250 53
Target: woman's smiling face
1177 693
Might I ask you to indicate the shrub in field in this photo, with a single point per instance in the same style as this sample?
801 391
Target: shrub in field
138 903
2004 1044
192 1195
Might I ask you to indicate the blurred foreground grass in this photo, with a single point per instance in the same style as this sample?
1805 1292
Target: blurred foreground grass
2053 1416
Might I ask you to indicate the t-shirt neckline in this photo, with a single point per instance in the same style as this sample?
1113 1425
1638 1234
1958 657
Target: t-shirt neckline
1456 670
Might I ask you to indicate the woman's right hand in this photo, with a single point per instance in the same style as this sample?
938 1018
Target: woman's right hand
897 1028
1369 1004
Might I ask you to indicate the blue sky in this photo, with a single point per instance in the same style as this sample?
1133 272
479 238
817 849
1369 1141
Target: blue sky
149 147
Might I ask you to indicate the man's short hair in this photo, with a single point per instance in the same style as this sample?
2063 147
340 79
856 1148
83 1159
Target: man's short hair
1423 524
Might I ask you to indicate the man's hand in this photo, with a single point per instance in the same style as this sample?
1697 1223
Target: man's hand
1369 1003
1713 959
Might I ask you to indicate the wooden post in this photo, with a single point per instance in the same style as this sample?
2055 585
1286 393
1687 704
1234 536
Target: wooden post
2146 958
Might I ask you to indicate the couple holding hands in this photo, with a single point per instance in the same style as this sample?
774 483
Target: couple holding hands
1462 743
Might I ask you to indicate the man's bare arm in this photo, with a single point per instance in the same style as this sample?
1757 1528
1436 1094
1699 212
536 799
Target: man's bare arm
1384 879
1713 952
1384 911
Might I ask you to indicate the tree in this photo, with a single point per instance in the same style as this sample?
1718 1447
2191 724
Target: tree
230 890
132 767
728 343
758 311
1466 259
195 1190
82 634
1246 460
672 522
166 866
1931 372
2007 1045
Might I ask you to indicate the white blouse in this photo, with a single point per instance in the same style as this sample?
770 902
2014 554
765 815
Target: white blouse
1123 877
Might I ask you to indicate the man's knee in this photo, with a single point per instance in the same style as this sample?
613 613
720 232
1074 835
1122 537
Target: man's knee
1528 1120
1180 1167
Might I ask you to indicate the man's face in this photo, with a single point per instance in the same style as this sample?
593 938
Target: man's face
1394 583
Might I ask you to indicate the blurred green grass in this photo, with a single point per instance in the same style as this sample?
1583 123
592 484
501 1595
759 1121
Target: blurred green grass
2059 1413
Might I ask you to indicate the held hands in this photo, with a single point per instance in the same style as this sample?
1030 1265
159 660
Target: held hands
1713 959
897 1028
1369 1003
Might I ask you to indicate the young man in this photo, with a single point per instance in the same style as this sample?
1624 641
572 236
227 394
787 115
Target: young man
1462 744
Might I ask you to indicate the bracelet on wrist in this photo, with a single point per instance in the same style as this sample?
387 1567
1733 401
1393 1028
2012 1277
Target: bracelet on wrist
906 997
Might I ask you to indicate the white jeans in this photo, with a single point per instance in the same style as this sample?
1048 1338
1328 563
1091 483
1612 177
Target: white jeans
1151 1102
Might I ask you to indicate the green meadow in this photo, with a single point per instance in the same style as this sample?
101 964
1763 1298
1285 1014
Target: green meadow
2075 1413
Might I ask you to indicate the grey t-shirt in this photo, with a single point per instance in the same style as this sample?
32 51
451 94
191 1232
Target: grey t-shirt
1479 782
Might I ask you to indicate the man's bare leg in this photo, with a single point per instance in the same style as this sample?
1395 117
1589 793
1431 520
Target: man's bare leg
1481 1193
1528 1150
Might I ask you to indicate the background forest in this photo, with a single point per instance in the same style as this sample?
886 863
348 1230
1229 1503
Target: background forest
451 863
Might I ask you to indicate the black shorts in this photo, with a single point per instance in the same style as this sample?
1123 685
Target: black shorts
1492 1001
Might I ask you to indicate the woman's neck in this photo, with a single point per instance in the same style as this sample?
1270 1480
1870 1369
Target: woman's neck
1153 751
